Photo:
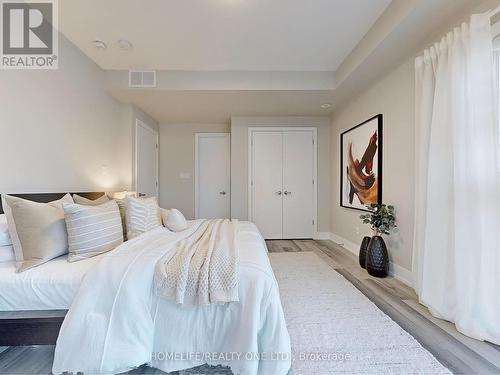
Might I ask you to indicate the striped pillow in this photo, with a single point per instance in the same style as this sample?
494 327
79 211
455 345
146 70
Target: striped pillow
143 214
92 230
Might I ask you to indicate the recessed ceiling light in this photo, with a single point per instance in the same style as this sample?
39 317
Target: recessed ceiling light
326 105
99 44
124 44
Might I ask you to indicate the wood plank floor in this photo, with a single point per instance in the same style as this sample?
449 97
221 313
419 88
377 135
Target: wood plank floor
461 354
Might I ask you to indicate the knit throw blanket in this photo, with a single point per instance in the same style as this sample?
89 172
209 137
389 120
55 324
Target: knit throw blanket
204 268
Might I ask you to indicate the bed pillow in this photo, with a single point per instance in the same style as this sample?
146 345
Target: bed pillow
7 254
5 239
89 202
38 230
173 219
92 230
122 206
143 215
11 227
121 200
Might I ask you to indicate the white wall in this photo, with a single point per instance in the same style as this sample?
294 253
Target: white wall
139 114
177 145
60 130
239 162
393 96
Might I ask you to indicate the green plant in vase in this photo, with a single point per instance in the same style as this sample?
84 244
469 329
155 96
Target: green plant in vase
382 220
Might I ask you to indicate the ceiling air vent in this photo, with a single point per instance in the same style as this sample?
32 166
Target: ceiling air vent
141 78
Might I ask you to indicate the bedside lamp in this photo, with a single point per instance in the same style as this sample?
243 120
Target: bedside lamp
122 194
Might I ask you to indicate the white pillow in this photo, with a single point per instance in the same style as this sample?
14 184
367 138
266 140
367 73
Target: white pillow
7 254
5 239
18 251
143 215
173 219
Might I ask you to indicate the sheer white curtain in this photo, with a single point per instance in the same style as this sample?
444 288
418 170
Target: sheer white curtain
457 228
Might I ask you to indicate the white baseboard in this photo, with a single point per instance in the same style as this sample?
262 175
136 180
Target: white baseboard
401 273
351 246
321 236
398 272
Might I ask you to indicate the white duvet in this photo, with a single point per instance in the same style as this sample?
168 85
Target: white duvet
117 322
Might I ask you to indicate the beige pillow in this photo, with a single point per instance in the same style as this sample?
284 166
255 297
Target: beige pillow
121 200
143 215
38 230
89 202
92 230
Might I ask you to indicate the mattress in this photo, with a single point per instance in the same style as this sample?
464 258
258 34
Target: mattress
50 286
53 285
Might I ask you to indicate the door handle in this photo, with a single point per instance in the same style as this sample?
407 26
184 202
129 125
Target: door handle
222 192
278 192
142 194
287 192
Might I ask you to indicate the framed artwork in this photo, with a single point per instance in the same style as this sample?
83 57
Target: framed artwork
361 164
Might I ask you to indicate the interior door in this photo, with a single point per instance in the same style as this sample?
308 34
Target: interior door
212 175
266 184
298 184
146 160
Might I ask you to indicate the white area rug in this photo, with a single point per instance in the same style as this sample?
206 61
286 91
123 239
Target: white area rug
337 328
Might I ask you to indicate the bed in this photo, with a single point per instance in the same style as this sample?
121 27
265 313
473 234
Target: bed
115 323
27 322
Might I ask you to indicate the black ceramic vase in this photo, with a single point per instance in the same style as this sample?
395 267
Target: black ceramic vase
377 258
362 251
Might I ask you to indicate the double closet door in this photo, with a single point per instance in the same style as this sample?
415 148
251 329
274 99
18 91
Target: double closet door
282 185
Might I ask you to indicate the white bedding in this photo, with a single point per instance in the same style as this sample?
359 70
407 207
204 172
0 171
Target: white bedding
116 321
50 286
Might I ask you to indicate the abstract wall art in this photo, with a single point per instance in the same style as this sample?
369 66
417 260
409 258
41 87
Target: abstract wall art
361 164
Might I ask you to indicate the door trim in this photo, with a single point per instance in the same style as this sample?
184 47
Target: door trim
314 130
197 137
139 123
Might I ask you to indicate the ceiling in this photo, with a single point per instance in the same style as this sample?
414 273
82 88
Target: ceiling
215 35
222 58
219 106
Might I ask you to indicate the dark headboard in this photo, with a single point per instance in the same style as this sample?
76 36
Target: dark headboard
49 197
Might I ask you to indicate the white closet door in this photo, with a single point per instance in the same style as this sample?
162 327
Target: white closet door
298 174
267 171
212 175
